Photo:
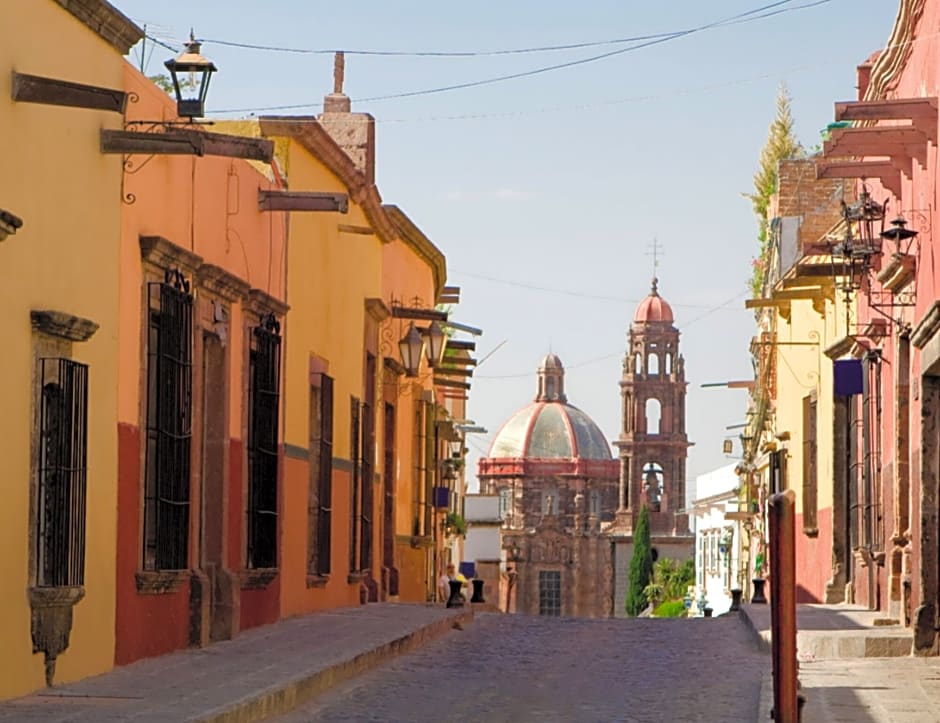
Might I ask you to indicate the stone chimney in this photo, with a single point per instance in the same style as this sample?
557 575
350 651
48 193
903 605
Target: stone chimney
353 132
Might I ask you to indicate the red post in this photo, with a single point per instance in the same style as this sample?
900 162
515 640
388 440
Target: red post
783 605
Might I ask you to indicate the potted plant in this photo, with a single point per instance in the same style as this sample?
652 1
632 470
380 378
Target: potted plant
758 580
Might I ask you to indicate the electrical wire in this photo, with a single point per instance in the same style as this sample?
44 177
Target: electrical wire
567 292
747 16
617 353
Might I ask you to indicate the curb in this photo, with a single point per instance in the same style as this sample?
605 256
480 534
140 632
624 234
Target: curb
284 697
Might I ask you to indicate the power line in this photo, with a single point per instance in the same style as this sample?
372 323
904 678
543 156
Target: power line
566 292
618 353
747 16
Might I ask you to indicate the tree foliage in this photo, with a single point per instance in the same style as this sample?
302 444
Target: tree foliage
781 144
641 565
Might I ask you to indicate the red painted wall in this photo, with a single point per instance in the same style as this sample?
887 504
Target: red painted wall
814 558
145 625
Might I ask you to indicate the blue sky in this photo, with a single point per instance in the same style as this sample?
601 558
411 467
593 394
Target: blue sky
562 180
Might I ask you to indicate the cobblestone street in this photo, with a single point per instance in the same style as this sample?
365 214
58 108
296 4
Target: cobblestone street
518 668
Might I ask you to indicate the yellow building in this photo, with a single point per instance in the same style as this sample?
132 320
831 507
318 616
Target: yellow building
360 456
61 71
806 321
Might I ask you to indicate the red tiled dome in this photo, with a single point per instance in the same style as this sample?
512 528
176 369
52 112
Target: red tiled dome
653 308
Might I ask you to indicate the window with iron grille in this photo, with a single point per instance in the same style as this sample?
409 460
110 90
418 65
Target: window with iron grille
354 454
63 414
263 396
810 524
321 476
169 424
549 592
367 481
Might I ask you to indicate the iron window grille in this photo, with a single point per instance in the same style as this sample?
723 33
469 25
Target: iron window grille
549 592
355 429
321 477
263 401
169 423
367 480
63 410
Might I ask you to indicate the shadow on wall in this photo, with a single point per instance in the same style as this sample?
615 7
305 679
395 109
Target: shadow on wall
805 596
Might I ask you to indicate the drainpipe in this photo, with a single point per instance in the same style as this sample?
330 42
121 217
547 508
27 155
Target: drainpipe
867 503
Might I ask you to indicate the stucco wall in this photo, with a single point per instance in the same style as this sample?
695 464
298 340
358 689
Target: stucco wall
63 258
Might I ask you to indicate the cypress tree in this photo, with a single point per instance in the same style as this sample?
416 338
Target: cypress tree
641 565
781 144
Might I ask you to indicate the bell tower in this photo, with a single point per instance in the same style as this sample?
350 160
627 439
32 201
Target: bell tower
653 445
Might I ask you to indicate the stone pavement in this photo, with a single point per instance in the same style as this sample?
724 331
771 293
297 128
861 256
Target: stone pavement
264 671
533 669
852 670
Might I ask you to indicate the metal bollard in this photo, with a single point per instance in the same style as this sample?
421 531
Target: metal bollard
735 599
477 592
783 605
456 599
758 598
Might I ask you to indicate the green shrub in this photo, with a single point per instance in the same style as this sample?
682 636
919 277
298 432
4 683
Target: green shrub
670 609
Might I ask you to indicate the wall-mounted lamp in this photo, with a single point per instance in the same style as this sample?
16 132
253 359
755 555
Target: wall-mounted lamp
191 92
437 342
411 346
8 224
727 446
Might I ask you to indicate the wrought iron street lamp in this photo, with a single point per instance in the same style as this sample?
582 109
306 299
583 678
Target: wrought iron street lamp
191 91
898 232
410 346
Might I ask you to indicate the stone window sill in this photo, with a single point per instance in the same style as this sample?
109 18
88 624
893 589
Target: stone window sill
160 582
317 580
257 579
355 577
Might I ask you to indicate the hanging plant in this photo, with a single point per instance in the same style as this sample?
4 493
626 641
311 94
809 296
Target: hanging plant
454 524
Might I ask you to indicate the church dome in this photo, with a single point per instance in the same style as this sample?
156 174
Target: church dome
653 308
549 427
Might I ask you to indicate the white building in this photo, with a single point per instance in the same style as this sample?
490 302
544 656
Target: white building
717 549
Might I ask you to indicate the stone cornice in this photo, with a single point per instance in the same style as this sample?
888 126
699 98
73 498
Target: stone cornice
221 282
927 327
308 132
65 326
377 309
891 62
164 254
109 23
260 302
413 237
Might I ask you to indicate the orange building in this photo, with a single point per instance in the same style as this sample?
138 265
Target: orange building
202 289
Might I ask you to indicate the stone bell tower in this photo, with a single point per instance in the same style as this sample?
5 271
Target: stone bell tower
653 445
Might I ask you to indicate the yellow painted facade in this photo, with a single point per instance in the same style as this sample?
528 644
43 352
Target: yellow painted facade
64 258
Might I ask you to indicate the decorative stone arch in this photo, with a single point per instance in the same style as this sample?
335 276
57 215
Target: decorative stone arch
654 413
653 484
652 364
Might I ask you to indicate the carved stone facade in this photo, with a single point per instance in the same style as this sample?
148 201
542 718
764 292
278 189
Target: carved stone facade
552 469
653 445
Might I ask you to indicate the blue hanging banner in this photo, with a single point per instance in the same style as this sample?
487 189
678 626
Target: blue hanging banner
441 497
847 377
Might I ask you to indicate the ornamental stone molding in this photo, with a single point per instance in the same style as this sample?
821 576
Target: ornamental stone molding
164 254
62 325
221 282
51 622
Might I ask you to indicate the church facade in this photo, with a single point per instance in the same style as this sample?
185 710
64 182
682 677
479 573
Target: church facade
557 483
568 505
